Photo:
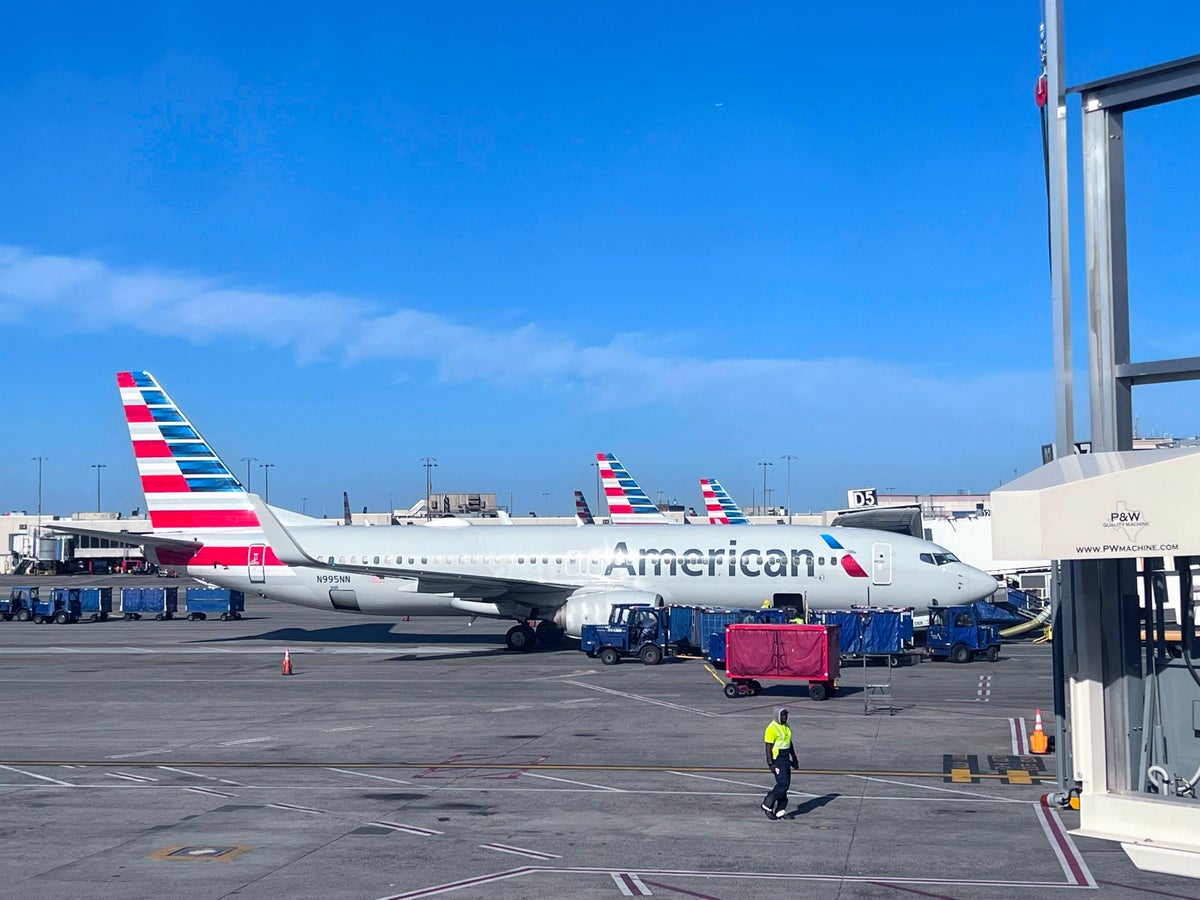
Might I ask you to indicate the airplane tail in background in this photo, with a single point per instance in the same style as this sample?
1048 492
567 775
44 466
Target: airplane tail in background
627 502
188 488
581 510
347 519
719 506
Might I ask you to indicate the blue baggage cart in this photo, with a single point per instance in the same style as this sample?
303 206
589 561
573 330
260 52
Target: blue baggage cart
162 602
95 602
200 603
871 632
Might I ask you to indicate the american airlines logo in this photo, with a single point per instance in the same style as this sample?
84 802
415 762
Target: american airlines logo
1128 521
732 561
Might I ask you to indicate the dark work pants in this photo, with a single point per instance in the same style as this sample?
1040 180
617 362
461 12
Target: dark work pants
777 797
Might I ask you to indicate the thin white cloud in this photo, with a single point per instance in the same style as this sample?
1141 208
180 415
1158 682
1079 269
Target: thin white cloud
625 371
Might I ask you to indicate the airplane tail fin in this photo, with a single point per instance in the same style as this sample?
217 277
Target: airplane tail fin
347 519
719 506
581 509
187 486
627 502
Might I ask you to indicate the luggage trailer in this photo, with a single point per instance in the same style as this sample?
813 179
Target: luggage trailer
781 653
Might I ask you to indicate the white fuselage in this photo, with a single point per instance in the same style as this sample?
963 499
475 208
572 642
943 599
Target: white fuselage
823 568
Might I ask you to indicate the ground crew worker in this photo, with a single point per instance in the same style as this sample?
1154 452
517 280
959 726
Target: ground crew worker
781 759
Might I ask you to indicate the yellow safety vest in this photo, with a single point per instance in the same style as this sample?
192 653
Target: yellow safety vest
780 737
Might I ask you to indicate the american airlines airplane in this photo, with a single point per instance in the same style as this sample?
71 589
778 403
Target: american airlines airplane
205 522
719 506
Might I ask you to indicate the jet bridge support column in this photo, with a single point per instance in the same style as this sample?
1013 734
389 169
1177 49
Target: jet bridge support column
1135 713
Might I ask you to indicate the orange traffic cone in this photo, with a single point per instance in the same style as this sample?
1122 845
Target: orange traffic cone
1038 743
287 662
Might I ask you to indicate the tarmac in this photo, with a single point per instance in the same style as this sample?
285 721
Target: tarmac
420 759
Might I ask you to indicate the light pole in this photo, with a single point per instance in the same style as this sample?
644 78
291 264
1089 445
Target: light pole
596 466
303 505
247 460
789 457
98 467
764 468
38 533
545 501
430 463
266 467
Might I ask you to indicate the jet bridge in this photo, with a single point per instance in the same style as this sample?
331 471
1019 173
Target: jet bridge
1122 525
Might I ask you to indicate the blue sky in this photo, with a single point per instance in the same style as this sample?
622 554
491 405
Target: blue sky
698 236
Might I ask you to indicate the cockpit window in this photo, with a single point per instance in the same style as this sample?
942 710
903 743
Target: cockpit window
939 559
927 558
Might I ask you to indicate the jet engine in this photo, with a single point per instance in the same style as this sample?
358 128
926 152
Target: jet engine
592 607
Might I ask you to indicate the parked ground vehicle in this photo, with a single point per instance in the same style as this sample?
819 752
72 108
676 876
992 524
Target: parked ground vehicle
956 634
632 630
19 604
61 606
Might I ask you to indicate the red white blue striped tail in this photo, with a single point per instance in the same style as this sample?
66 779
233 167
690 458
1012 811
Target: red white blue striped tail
187 486
719 506
627 502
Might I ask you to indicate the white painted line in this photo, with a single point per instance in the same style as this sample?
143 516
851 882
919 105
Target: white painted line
598 787
520 851
408 829
985 688
345 728
630 885
638 697
257 740
186 772
64 649
41 777
288 806
140 753
209 791
143 779
459 885
927 787
227 781
1064 848
369 775
1020 741
139 649
510 708
731 781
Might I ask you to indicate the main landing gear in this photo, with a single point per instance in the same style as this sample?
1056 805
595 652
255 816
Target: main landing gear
523 638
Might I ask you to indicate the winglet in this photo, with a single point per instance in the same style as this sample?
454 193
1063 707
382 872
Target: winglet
281 540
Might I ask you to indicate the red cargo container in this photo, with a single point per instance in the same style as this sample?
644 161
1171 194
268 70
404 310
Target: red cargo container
781 653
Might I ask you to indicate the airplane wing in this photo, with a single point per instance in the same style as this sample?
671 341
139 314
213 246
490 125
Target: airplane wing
134 539
289 551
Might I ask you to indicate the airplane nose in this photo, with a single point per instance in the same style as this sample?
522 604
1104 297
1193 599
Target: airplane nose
980 585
